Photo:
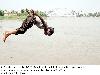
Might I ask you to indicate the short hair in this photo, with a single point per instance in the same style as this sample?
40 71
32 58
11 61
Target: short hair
51 31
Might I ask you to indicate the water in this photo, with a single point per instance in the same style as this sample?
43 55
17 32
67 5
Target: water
75 41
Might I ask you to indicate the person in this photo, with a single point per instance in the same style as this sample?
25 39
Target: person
28 23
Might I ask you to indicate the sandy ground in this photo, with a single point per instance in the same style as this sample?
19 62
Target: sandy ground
75 41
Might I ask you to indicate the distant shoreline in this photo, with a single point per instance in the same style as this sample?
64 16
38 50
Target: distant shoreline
23 17
14 17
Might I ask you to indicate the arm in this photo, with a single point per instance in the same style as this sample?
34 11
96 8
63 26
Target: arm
44 26
43 22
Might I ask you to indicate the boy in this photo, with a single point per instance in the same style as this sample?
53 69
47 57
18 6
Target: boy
28 23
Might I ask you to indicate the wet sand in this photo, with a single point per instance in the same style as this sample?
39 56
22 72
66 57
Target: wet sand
75 41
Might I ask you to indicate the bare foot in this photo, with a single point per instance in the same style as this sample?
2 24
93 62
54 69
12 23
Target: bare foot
5 35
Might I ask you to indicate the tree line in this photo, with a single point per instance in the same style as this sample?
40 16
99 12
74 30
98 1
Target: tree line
89 14
21 13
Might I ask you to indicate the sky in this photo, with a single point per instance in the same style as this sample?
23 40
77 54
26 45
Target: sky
50 4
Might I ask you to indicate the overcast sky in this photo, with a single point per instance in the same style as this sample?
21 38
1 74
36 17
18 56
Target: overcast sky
50 4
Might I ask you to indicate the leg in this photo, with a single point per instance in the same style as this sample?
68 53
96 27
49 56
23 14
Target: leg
7 33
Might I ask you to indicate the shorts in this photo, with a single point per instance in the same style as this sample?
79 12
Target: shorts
20 31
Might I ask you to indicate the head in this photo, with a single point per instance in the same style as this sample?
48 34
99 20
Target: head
49 31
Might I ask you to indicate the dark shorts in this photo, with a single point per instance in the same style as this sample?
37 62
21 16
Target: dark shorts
20 31
25 25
